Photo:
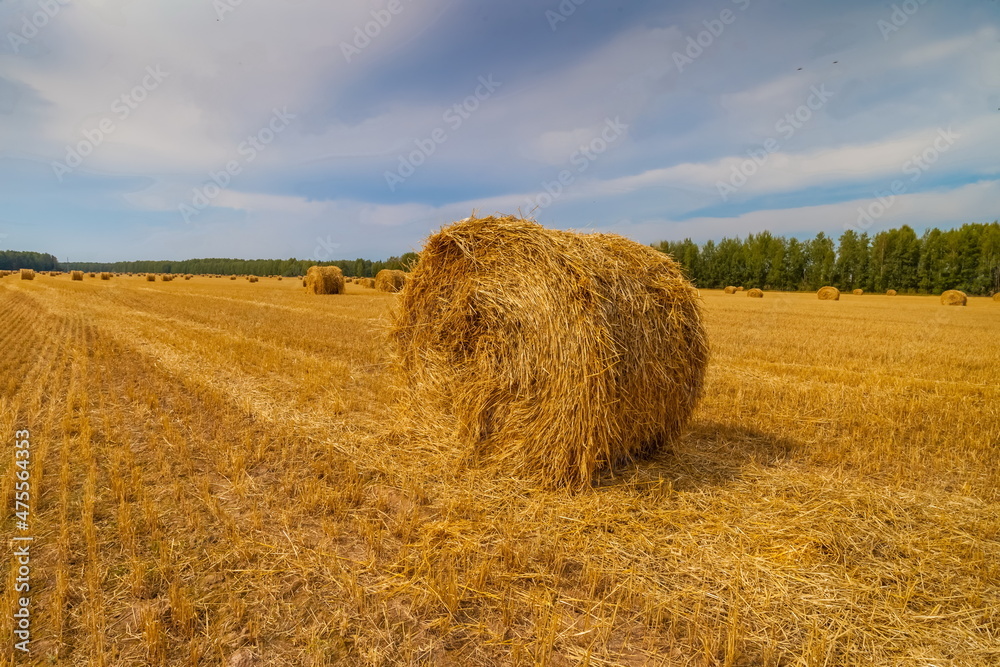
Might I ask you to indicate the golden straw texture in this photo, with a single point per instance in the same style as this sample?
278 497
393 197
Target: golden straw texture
828 294
549 353
325 280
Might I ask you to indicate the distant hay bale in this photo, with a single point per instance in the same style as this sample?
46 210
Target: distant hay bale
76 275
828 294
857 292
740 288
755 293
730 290
279 277
166 277
232 277
91 275
996 297
390 280
953 297
105 275
324 280
187 277
890 292
151 277
370 283
549 353
253 279
27 274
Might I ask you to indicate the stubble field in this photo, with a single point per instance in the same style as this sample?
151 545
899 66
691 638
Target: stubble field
219 476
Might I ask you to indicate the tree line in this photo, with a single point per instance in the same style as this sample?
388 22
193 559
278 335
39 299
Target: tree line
11 260
364 268
966 258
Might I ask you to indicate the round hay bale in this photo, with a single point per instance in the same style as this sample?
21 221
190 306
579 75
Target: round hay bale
105 275
890 292
150 277
91 275
187 277
996 297
325 280
279 277
27 274
857 292
390 280
730 290
740 288
232 277
550 353
953 297
828 294
76 275
755 293
166 277
370 283
253 279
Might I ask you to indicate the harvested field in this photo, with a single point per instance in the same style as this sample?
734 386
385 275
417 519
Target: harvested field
221 478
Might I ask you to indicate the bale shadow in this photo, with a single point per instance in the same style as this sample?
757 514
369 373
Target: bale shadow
708 454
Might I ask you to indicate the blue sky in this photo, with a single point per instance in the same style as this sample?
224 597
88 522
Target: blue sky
170 130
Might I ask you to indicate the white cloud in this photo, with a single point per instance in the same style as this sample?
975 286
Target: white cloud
225 75
971 203
786 172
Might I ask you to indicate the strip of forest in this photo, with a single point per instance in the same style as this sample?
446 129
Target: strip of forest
965 258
